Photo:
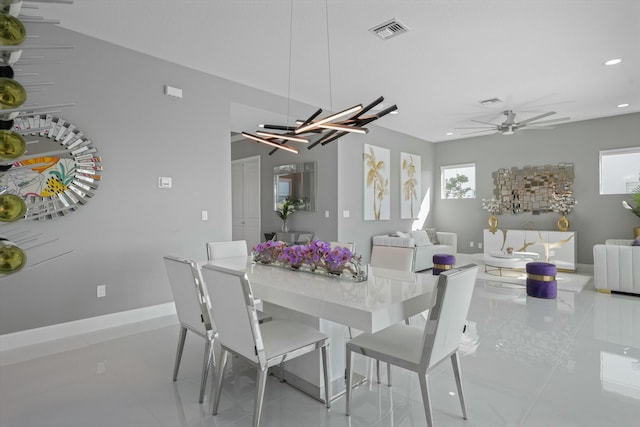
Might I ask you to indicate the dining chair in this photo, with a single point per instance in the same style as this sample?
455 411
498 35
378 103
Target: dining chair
193 314
393 257
228 249
420 350
262 345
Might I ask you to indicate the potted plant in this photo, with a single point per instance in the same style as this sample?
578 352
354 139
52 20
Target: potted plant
634 206
286 208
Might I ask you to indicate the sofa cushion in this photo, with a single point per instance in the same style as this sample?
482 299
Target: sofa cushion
402 234
421 237
433 235
636 242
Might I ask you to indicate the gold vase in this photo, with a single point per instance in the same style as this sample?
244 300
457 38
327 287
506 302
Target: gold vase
563 223
493 223
12 258
636 232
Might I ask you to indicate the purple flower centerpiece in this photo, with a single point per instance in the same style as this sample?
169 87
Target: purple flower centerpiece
316 256
268 252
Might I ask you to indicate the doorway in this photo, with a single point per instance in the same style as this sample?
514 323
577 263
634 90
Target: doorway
245 200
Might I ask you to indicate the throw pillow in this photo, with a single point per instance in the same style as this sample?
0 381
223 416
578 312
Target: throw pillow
433 236
403 234
636 242
421 238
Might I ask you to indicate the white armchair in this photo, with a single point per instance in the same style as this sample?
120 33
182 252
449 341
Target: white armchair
616 267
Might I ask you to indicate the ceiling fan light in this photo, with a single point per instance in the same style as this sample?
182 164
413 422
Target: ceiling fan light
623 105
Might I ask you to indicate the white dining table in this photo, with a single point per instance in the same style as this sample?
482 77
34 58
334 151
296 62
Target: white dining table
329 304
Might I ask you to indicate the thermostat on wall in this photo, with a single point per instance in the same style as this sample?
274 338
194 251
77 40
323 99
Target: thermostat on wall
164 182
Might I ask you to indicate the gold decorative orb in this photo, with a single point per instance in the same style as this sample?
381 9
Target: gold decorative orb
12 30
12 207
12 258
563 223
12 94
12 144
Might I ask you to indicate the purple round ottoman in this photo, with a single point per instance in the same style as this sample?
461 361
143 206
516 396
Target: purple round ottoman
541 280
443 262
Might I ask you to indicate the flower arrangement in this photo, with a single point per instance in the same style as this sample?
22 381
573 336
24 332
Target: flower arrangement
316 256
563 203
633 206
491 205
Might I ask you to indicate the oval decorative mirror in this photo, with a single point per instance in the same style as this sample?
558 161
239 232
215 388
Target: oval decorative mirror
58 172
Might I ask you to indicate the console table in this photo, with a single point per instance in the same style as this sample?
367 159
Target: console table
556 247
294 237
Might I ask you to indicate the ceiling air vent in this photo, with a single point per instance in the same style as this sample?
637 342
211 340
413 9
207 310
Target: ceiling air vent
389 29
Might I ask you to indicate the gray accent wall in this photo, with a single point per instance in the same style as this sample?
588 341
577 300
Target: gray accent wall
595 218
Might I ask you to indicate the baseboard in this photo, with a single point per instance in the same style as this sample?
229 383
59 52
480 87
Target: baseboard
83 326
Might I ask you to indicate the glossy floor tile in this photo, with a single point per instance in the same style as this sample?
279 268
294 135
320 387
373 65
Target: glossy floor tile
573 361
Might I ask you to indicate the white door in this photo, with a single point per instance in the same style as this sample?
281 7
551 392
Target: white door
245 200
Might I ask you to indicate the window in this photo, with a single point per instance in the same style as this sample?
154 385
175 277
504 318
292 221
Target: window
458 181
619 170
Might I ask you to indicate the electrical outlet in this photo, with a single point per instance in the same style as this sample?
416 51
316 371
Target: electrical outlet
101 291
470 244
479 245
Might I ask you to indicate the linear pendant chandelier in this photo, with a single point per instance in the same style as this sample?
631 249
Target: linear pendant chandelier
327 129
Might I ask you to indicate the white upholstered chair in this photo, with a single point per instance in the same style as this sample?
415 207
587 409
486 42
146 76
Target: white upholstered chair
228 249
393 257
420 350
262 345
190 301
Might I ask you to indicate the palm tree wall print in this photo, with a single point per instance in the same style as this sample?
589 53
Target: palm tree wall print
410 185
376 183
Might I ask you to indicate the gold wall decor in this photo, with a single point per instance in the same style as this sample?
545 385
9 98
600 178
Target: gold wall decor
532 188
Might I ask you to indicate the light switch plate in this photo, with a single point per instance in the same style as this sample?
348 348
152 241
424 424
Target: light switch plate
165 182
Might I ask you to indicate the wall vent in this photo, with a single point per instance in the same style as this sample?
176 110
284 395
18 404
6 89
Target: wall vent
389 29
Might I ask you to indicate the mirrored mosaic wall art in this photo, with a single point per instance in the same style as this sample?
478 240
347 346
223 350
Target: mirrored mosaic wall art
531 189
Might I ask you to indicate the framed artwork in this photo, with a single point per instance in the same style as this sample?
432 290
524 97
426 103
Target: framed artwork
377 205
409 185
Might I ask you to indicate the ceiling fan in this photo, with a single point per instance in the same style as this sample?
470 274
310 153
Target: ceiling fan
510 125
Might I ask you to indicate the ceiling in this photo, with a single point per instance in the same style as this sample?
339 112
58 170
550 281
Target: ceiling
534 55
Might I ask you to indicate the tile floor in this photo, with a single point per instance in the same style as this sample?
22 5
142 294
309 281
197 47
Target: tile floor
574 361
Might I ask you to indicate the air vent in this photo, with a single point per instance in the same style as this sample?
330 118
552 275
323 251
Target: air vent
389 29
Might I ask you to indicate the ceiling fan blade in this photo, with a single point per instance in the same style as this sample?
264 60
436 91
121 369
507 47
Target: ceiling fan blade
479 127
485 123
544 122
480 131
534 118
537 127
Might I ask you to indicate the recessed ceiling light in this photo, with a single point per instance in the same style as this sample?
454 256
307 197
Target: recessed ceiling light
622 105
449 133
613 61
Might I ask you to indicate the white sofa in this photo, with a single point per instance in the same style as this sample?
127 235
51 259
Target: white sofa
616 266
424 248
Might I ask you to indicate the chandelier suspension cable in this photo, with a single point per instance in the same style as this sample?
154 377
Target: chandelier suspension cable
326 8
290 50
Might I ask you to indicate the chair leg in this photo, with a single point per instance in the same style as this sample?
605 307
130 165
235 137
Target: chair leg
389 374
205 369
378 371
327 379
181 338
424 387
261 381
349 380
455 361
218 390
